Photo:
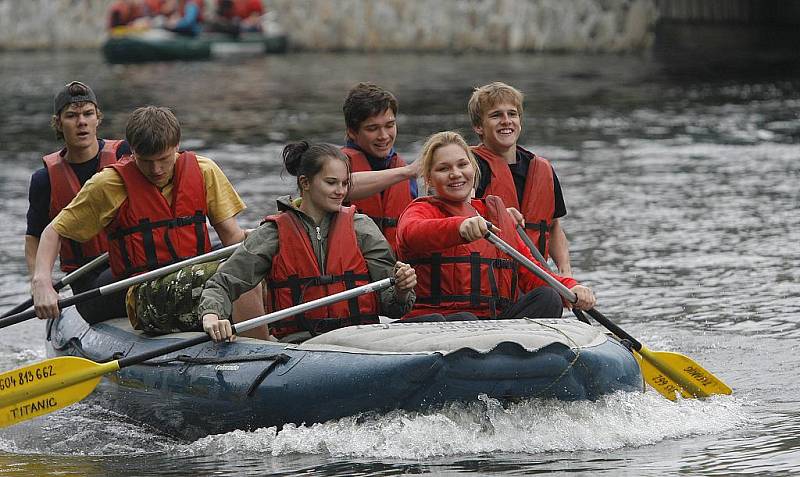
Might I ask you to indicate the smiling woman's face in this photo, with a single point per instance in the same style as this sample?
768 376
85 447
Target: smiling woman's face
328 188
452 175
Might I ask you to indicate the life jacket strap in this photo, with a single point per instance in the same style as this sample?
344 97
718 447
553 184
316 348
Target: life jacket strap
146 228
542 227
478 265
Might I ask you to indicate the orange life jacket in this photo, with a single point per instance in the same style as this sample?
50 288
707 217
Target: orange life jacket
148 232
474 277
384 208
295 276
538 200
64 186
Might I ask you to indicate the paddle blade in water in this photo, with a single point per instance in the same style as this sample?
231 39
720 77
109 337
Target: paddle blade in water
658 381
44 387
668 372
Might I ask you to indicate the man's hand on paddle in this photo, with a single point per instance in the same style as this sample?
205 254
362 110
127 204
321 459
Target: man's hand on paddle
218 330
586 299
45 299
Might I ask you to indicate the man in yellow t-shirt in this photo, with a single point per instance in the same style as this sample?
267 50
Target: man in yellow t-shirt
156 182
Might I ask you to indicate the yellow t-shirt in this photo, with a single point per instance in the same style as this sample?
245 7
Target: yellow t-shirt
96 204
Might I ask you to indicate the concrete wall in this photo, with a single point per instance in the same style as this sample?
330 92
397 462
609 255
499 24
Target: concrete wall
458 25
380 25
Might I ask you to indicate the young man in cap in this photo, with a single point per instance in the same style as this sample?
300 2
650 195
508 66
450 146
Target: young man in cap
153 207
76 117
524 181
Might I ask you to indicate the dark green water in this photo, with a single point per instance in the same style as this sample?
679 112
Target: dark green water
681 185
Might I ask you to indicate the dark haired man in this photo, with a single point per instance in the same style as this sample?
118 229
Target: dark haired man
153 206
383 185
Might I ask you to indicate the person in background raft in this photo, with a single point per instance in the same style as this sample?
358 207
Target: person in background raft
525 181
184 17
311 248
370 114
122 13
236 16
153 206
76 117
458 270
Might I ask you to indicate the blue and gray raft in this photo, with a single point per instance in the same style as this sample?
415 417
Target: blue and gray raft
216 388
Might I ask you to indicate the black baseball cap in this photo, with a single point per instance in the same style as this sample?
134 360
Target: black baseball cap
64 97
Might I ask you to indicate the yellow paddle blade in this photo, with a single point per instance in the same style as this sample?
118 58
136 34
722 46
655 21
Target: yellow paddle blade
656 379
669 373
44 387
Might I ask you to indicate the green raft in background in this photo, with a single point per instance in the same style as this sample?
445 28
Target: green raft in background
161 45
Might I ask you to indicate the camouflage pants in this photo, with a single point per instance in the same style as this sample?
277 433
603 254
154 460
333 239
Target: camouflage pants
169 304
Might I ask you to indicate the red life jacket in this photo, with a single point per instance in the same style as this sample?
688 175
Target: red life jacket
384 208
147 232
127 13
538 200
295 276
64 186
474 277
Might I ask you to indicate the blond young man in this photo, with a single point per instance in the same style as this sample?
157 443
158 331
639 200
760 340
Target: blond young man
526 182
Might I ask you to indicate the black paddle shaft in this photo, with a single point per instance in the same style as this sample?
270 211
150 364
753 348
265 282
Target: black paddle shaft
538 255
64 281
182 344
20 317
619 332
27 303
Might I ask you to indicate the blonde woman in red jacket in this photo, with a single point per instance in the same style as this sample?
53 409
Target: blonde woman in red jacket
460 274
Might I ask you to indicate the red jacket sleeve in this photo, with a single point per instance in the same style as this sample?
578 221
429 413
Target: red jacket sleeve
423 228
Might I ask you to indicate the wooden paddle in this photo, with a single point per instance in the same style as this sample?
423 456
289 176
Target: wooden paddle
49 385
62 283
668 373
538 256
124 284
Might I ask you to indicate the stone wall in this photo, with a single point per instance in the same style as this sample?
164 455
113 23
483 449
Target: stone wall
458 25
380 25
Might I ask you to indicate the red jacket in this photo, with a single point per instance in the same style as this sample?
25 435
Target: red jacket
429 239
295 276
384 208
64 186
148 232
538 200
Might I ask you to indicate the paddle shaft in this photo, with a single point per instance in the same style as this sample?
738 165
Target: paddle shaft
538 256
560 288
668 373
124 284
62 283
263 320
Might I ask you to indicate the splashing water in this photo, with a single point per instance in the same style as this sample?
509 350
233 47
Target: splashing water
613 422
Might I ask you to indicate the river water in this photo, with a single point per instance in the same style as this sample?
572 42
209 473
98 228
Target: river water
681 182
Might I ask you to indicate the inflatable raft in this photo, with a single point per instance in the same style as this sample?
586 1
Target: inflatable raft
216 388
157 45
